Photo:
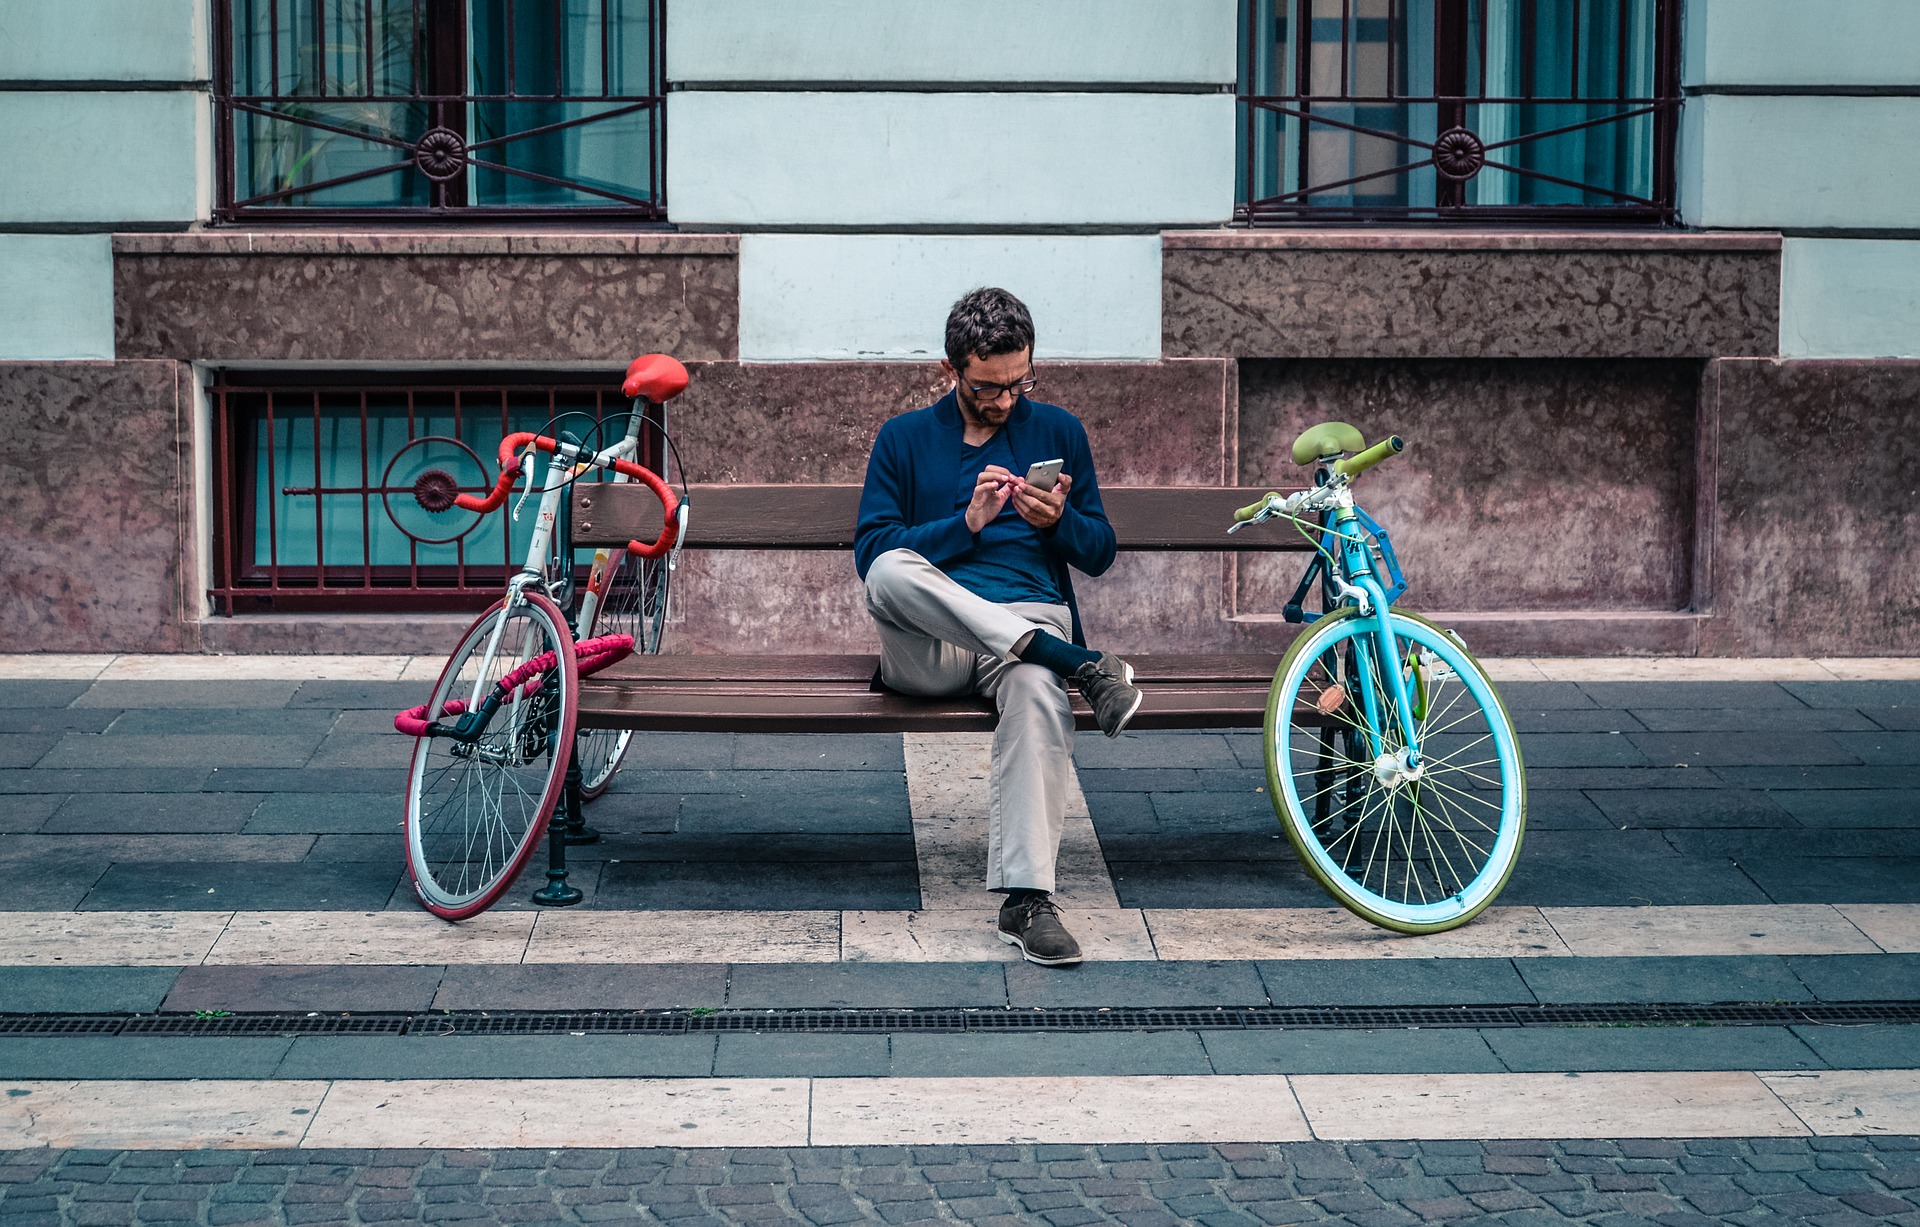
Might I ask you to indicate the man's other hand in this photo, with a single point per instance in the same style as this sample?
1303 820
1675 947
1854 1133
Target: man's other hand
990 493
1040 508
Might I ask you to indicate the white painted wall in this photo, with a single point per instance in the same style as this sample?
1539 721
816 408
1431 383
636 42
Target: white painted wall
1161 41
104 158
1799 162
56 296
1850 298
866 297
892 159
103 40
1801 42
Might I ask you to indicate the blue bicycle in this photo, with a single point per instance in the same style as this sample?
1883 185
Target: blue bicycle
1391 762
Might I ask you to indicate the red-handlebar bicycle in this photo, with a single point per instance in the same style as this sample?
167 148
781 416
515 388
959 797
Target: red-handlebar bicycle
497 747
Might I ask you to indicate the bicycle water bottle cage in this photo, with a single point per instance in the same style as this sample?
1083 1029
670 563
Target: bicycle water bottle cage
1325 441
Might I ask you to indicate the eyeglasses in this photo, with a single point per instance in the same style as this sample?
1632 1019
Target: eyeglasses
993 391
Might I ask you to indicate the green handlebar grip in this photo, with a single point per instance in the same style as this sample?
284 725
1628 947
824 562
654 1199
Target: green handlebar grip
1251 509
1353 466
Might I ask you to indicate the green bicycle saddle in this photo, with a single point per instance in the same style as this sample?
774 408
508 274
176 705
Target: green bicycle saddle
1327 439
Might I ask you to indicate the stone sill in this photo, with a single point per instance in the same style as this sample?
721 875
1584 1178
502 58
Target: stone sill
226 242
1335 239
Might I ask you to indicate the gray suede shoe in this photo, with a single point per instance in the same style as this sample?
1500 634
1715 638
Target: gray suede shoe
1108 686
1034 926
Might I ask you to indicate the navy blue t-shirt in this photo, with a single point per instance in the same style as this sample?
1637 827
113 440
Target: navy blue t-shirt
1010 563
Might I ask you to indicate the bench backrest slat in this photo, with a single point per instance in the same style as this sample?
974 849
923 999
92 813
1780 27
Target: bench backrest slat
817 517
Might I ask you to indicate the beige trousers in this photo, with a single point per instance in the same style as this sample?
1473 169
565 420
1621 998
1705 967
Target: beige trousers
937 638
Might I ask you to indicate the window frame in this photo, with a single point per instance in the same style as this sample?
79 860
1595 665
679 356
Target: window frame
1451 95
447 61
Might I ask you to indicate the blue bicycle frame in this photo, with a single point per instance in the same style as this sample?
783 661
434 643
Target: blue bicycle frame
1349 528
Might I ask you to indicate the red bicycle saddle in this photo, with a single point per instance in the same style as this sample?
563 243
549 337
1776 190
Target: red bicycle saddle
657 377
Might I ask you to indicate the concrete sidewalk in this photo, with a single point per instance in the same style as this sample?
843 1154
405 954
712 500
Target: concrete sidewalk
220 838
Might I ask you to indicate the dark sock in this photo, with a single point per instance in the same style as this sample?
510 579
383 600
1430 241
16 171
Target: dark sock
1018 896
1055 653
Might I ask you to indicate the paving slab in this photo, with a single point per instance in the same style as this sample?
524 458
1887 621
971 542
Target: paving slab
294 667
311 725
1752 719
622 812
1707 749
83 990
144 779
347 938
1604 749
1906 718
1870 843
763 885
1138 984
362 750
1866 807
323 814
1774 929
115 1115
28 851
420 1057
825 851
592 1112
1852 1102
752 1055
951 860
1669 809
202 692
1058 1111
24 813
685 937
59 887
1863 692
1892 879
1196 748
1663 978
339 694
1544 695
995 1054
1784 778
108 939
1894 927
1584 1049
1593 779
1639 695
1548 1105
1432 1051
1589 719
146 1057
869 985
583 986
1330 933
735 814
820 752
1882 747
1881 1047
26 749
1565 809
390 784
1859 977
1405 981
30 692
1622 869
1221 883
61 719
328 988
155 813
186 886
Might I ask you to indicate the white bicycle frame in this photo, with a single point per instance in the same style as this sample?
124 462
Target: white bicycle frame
569 461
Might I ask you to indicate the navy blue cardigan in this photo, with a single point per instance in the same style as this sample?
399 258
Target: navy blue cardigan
907 502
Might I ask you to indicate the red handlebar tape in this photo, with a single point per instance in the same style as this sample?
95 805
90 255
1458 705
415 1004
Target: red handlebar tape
510 448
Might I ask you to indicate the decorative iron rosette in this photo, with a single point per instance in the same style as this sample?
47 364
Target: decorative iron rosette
1458 154
440 154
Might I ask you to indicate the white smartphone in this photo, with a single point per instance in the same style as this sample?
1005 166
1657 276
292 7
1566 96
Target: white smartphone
1044 474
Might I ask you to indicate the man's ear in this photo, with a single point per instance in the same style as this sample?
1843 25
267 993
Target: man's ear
946 368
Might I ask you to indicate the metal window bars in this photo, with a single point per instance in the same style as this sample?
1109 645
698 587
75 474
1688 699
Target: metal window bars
351 109
1458 110
314 484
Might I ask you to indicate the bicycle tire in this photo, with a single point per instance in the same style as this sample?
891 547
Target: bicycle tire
477 809
1354 821
634 602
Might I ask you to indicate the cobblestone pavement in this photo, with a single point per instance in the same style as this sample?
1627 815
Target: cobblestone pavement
1828 1182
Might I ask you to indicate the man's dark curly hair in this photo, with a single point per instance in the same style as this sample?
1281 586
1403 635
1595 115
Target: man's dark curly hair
986 323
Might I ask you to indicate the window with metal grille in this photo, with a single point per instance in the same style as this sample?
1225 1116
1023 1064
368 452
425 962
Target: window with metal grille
1458 109
357 108
315 481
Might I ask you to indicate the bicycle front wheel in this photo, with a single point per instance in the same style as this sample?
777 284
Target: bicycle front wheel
1415 851
477 803
632 600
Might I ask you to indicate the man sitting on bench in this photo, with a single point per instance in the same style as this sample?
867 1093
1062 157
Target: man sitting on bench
965 564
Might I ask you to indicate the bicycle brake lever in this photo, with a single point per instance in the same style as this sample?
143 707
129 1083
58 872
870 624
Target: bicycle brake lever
526 472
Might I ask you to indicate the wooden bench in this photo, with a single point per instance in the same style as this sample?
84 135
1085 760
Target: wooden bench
832 693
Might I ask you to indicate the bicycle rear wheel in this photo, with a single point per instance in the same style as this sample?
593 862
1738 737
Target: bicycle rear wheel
632 601
1415 853
478 803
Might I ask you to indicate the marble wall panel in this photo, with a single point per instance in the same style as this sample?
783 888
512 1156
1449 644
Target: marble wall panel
1815 541
1266 296
1149 423
1527 485
96 507
431 305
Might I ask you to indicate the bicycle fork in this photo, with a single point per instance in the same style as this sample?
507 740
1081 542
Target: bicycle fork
1363 588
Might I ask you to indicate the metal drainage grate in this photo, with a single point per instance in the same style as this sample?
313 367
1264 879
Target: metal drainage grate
684 1022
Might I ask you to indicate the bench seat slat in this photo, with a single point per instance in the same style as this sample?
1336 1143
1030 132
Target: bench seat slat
1151 668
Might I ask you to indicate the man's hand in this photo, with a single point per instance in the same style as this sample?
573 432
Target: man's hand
990 493
1041 508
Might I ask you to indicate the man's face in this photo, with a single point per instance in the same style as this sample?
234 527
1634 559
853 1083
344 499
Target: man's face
990 410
